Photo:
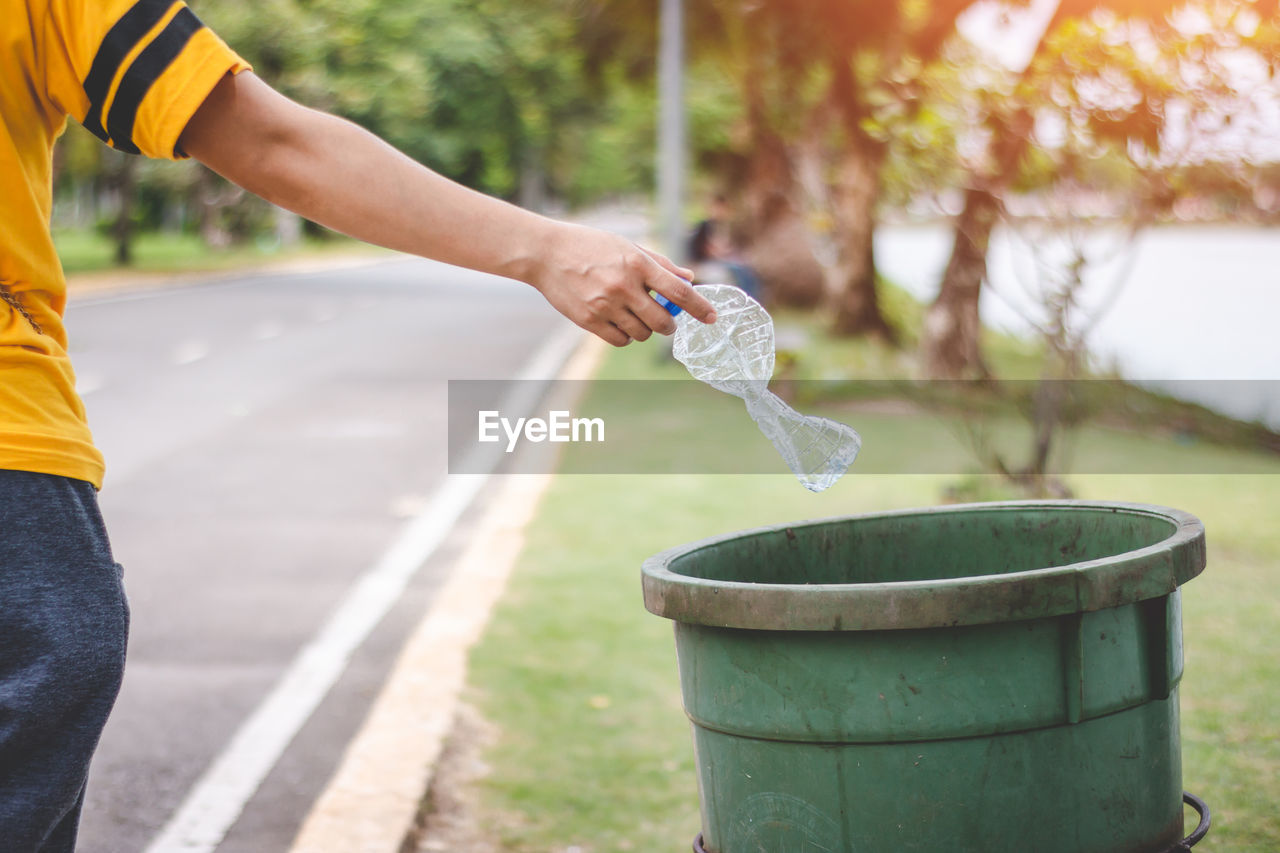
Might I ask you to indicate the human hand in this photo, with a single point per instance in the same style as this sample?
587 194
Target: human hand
602 281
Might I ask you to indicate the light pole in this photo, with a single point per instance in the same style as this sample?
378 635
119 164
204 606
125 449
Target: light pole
672 157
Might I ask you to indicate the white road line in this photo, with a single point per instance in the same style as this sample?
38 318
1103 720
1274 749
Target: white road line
373 796
220 794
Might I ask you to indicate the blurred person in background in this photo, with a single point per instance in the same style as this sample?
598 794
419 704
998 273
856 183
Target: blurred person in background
714 255
147 77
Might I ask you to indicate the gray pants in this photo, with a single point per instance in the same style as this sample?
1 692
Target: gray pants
63 628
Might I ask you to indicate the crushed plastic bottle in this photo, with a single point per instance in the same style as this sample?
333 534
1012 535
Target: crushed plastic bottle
735 354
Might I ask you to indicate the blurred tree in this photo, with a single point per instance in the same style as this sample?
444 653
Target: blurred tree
121 180
1109 78
873 55
491 94
827 87
482 91
77 172
1240 191
618 40
818 89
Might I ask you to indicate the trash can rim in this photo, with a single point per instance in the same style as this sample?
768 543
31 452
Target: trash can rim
1148 572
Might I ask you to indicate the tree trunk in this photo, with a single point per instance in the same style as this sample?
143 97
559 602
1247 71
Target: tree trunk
773 231
950 341
782 256
854 197
767 178
211 198
771 227
951 344
122 230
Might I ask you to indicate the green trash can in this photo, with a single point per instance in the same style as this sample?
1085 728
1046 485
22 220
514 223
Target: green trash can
989 677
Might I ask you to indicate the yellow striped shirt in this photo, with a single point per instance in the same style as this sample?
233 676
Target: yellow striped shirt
131 71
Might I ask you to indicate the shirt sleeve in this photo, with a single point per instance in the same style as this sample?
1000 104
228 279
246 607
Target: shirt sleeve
133 72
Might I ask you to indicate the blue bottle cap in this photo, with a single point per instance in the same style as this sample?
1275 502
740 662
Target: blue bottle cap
673 309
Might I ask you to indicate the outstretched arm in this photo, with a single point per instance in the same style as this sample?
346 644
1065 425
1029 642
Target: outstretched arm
335 173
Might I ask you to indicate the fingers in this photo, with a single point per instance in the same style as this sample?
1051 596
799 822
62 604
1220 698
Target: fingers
603 283
610 334
669 265
647 310
673 282
634 327
682 293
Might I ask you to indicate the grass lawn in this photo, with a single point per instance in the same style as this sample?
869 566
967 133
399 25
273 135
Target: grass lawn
84 250
593 751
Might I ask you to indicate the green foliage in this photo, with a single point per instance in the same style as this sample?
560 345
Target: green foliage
610 156
558 94
494 95
445 81
79 157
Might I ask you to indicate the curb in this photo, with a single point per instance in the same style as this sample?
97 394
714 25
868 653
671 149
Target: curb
372 801
108 283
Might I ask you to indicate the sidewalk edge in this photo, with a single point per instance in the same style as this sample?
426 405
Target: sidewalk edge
372 800
103 284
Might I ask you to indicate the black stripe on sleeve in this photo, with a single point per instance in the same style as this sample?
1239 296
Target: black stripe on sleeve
123 36
143 73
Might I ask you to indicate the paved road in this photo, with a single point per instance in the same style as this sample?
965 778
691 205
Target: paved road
266 439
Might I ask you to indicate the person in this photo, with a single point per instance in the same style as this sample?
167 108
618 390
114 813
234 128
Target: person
710 244
147 77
